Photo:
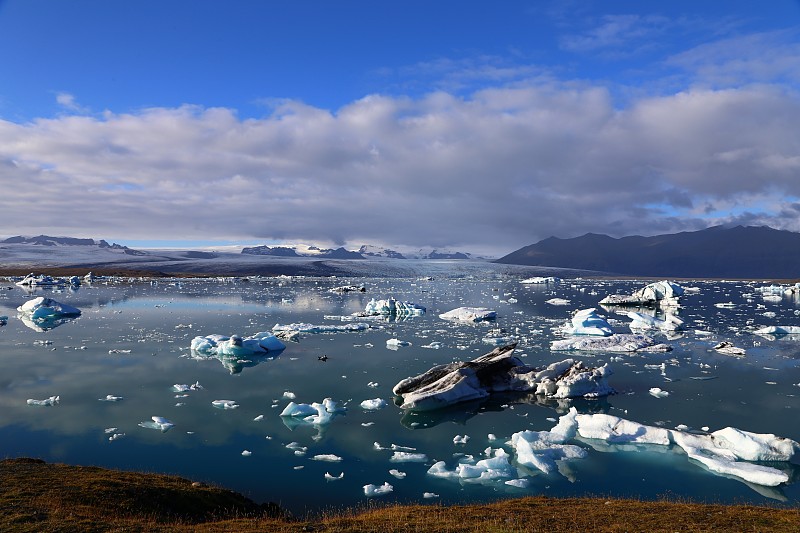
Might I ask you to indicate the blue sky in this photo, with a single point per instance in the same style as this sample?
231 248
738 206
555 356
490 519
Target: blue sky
451 124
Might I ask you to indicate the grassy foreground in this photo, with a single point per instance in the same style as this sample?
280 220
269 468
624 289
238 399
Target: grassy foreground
37 496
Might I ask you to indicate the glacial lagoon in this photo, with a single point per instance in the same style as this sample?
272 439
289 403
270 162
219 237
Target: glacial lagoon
132 341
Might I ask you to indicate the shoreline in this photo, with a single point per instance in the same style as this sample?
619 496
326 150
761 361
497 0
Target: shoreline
40 496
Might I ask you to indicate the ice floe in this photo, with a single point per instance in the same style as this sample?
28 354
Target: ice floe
52 400
778 330
643 321
549 280
374 405
619 342
499 371
44 313
158 422
225 404
323 328
469 314
728 348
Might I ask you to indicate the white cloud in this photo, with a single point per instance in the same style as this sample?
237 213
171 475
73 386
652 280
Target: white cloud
500 169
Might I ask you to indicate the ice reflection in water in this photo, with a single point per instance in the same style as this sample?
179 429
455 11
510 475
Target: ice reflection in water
133 340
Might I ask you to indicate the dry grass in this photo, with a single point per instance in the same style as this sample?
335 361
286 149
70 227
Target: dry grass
40 497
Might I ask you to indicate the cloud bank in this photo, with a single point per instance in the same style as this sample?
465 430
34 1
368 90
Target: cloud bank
494 170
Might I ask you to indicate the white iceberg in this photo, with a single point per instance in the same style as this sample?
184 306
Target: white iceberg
469 314
377 490
158 422
550 280
374 405
620 342
325 328
496 467
778 330
315 413
662 293
48 402
395 343
390 306
40 280
588 322
225 404
221 345
728 348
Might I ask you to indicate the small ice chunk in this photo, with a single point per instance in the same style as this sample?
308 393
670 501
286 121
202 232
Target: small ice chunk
246 453
111 398
377 490
588 322
658 393
374 405
225 404
469 314
327 457
331 477
408 457
397 473
396 343
429 495
259 418
158 422
557 301
459 439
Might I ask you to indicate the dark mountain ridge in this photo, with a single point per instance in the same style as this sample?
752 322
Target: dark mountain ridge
743 252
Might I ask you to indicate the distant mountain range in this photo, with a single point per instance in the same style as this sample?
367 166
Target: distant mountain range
341 253
46 240
742 252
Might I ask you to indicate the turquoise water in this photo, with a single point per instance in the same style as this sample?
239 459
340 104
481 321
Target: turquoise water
132 340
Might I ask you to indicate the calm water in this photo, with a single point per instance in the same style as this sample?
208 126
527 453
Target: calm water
87 358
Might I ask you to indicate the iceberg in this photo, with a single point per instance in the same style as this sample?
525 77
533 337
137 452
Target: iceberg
377 490
390 306
40 280
373 405
778 330
469 314
325 328
620 342
43 308
660 293
158 422
497 466
258 344
588 322
313 414
728 348
550 280
48 402
499 371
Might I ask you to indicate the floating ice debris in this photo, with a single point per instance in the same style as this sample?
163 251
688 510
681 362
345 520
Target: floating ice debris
620 342
117 350
40 280
496 466
499 371
372 384
111 398
588 322
316 413
247 453
289 395
397 473
216 345
778 330
541 280
259 418
558 301
390 306
728 348
52 400
115 436
158 422
469 314
184 388
374 405
330 477
663 293
519 483
429 495
377 490
325 328
725 305
327 457
658 393
642 321
395 343
435 345
459 439
109 430
225 404
542 450
408 457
